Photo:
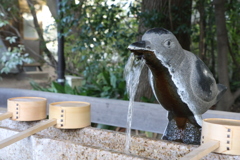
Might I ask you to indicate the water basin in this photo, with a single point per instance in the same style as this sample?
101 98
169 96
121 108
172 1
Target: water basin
89 143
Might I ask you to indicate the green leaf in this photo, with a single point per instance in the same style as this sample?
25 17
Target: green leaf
113 80
103 126
11 39
149 134
3 23
57 88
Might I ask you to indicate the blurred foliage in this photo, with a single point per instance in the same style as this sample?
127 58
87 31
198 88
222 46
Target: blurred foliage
96 38
13 58
14 55
233 27
209 35
210 42
97 34
55 88
106 86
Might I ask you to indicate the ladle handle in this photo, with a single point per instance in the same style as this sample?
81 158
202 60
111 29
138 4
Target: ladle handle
6 115
202 151
28 132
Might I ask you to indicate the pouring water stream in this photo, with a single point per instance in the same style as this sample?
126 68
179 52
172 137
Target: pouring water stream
132 73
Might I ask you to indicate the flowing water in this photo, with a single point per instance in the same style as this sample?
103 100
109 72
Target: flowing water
133 70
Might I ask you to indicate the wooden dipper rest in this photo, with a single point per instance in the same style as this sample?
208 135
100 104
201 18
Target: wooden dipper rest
25 109
218 135
64 115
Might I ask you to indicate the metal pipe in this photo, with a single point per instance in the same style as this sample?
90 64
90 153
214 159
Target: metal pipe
61 58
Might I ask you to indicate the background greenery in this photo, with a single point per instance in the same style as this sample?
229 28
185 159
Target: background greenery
97 34
96 43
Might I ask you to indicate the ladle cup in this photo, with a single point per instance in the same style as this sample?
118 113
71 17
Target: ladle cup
63 115
25 109
219 136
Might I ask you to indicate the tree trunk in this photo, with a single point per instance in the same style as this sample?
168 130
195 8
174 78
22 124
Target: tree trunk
222 59
174 15
40 34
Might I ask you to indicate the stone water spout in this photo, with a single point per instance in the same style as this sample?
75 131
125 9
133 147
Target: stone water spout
180 81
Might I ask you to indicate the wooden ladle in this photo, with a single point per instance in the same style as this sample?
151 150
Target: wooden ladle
63 115
25 109
219 136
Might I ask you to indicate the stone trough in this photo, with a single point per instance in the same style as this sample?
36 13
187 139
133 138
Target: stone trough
89 143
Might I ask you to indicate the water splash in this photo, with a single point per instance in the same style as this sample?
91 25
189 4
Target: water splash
132 74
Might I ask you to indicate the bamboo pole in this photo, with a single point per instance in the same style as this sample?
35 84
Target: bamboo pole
202 151
28 132
6 115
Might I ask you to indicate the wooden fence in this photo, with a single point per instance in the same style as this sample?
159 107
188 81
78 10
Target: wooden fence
146 116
